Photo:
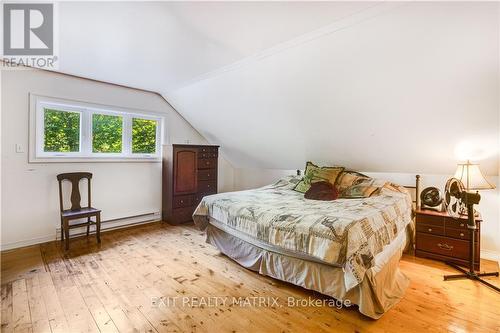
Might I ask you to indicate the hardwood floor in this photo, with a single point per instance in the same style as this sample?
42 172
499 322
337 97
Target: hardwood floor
112 289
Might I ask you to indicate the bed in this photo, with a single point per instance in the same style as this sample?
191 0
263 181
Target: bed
348 249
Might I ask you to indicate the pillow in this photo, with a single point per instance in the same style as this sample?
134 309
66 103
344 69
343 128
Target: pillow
348 178
314 174
363 189
324 191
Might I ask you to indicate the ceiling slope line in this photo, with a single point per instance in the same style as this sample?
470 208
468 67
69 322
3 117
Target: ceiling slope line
346 22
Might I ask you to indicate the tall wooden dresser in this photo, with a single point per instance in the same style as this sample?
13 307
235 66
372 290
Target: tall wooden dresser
189 173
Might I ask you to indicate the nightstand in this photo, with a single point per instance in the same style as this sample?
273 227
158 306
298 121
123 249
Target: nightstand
442 237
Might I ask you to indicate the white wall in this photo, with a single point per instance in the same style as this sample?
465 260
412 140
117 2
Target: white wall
488 207
29 194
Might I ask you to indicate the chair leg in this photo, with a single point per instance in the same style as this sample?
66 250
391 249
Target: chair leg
62 230
98 227
88 226
66 234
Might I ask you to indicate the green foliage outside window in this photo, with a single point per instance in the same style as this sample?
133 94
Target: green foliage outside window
143 136
61 131
106 133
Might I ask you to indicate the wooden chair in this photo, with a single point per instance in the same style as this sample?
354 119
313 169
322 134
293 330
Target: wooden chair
76 211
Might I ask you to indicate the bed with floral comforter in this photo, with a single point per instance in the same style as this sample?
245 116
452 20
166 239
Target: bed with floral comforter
347 233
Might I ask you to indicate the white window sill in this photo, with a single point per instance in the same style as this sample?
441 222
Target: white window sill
60 159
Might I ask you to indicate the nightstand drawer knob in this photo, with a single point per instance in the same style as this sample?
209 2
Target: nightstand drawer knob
445 246
430 229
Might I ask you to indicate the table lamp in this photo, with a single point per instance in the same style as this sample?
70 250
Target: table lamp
472 178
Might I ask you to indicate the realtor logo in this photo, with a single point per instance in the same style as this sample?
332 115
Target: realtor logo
28 29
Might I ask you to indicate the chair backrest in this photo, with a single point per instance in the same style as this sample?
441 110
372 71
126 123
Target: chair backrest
74 178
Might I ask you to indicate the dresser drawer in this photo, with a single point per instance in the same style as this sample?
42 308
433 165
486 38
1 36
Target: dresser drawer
207 174
207 186
185 214
207 155
444 246
183 201
207 163
430 220
431 229
202 150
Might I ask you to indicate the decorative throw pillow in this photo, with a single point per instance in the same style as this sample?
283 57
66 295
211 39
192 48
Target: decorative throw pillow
348 178
363 189
314 174
324 191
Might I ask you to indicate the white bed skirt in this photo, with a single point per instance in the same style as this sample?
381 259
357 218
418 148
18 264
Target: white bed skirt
383 286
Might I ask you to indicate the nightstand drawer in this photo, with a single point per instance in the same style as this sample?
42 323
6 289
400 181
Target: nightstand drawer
444 246
457 223
430 219
431 229
460 233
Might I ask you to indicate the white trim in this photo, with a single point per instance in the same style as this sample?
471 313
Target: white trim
490 255
36 155
28 242
106 226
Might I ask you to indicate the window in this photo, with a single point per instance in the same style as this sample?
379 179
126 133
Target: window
143 136
62 131
107 132
77 131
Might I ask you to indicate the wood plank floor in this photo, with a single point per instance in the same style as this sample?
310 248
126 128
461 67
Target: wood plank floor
116 288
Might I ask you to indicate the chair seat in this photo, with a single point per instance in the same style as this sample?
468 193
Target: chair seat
82 212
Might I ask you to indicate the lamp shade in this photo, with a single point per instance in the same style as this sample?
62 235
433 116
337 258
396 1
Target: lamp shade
471 177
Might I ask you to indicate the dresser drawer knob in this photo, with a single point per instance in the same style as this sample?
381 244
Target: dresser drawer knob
182 201
430 229
207 163
445 246
461 224
208 175
208 185
462 234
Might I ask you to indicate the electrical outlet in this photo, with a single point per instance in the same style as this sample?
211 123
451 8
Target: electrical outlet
19 148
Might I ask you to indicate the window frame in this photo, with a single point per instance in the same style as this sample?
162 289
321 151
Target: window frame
39 103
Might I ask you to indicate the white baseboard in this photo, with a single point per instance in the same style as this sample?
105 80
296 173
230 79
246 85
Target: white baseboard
105 226
490 255
28 242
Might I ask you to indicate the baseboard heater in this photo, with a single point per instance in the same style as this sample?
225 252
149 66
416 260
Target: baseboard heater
113 224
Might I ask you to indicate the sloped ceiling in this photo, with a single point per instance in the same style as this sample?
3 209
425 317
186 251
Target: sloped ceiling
395 87
163 45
